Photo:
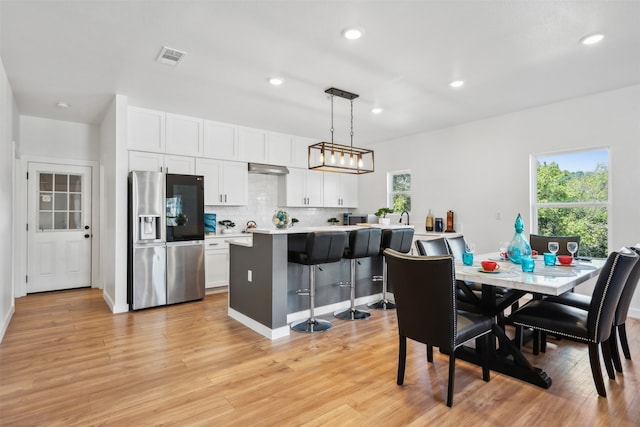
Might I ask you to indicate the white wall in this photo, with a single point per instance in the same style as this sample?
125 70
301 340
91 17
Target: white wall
481 168
8 134
58 139
114 166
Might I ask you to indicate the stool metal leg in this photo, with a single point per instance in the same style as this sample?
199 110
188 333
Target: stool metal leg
384 303
311 324
352 313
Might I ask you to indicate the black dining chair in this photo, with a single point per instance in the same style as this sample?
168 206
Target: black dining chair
622 310
469 294
426 306
541 243
592 326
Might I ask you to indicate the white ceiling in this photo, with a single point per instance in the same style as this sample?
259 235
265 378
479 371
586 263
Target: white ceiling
512 54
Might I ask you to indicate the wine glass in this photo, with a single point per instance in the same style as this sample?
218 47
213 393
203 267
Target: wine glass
504 246
470 247
553 247
572 247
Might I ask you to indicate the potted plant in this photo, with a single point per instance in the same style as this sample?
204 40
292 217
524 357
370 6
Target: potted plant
228 225
382 215
293 221
333 221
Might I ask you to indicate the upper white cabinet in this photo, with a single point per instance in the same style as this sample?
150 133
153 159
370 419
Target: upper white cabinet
225 182
145 129
301 188
300 151
220 141
156 162
340 190
253 145
279 149
184 135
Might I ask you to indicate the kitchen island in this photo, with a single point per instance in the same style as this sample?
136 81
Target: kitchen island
264 287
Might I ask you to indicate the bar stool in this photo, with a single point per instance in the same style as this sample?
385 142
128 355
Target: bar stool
398 239
363 243
321 247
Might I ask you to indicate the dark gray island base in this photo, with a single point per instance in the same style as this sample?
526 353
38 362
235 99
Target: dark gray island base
264 286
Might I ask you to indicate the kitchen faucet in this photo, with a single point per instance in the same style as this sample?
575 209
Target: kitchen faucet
404 212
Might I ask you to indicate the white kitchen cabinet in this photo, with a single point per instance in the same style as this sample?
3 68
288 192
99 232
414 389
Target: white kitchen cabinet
253 145
340 190
301 188
225 182
146 129
216 260
300 151
156 162
184 135
279 149
220 141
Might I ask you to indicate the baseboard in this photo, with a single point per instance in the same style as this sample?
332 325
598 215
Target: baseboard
112 305
7 320
259 327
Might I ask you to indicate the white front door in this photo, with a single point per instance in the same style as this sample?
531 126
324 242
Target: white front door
59 227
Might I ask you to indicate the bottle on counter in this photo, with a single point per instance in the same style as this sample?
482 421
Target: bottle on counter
429 224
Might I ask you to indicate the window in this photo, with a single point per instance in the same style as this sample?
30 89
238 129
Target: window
571 197
59 202
399 190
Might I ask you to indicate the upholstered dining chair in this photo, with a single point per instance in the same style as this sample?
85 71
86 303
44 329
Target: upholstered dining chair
541 243
470 294
622 310
592 326
426 307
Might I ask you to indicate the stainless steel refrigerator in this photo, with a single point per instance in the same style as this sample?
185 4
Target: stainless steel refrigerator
166 236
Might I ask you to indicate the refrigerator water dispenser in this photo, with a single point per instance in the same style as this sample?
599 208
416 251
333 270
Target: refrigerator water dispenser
149 227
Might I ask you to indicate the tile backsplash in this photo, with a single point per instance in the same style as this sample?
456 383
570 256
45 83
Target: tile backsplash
263 201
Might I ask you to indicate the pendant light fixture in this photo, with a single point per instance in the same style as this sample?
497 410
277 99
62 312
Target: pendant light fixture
331 157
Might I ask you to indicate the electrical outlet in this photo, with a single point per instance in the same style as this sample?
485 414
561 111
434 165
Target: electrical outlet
249 276
498 215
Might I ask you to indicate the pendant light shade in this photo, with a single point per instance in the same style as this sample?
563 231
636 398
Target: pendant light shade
331 157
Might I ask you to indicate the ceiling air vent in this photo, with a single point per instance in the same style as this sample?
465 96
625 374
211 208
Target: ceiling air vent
170 56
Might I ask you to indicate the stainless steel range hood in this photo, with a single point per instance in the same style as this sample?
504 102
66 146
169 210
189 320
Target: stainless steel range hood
267 169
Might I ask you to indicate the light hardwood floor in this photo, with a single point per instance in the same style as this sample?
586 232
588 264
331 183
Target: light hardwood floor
67 360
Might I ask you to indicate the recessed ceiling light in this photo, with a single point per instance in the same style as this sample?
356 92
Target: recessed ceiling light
457 83
352 33
591 39
276 81
377 110
62 104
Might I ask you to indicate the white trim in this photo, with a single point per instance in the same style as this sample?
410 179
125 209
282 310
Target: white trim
7 319
114 308
21 202
259 327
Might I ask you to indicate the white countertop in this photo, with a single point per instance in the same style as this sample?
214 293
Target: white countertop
297 230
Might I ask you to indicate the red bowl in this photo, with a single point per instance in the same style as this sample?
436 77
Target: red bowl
565 259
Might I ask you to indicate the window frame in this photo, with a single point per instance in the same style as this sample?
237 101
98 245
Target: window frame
391 193
534 205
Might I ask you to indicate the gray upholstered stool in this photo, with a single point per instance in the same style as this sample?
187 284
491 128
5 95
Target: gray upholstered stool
398 239
320 247
363 243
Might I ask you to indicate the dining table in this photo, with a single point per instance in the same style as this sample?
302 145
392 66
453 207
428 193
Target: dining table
507 357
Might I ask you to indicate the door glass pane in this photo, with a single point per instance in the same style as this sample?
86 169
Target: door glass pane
45 221
61 193
61 183
75 202
46 201
46 182
75 220
60 220
60 201
75 183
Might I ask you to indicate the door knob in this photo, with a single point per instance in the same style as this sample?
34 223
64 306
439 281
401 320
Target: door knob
86 236
86 227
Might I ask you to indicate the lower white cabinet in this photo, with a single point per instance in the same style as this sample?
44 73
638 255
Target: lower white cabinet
216 259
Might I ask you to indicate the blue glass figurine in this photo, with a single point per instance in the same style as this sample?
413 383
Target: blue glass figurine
518 247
